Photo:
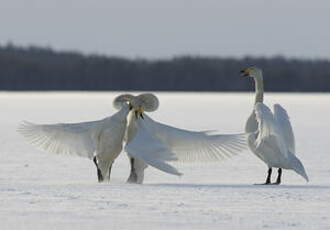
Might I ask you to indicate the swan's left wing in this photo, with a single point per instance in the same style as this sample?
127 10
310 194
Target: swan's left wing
149 149
265 121
190 146
283 122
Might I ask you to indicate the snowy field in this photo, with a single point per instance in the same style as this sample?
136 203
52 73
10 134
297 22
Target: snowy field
42 191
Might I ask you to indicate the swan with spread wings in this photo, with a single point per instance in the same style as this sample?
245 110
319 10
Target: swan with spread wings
100 140
152 143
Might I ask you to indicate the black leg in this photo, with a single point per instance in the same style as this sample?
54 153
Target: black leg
278 180
95 161
99 174
133 176
268 180
269 176
109 172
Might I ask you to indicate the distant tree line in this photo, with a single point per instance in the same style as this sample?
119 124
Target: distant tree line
33 68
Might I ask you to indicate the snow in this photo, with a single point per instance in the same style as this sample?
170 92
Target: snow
42 191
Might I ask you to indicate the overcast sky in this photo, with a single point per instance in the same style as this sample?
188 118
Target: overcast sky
164 28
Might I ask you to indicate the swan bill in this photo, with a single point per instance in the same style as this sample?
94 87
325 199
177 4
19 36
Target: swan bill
139 113
245 72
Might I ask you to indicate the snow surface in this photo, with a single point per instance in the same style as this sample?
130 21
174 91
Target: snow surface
42 191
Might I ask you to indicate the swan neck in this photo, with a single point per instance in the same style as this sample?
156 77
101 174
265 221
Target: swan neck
121 115
259 85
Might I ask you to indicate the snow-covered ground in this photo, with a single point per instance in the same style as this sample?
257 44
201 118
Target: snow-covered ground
42 191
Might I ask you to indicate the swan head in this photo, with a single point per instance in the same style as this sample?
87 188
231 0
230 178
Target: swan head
122 101
145 102
252 71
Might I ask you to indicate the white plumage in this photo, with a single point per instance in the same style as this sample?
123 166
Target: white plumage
152 143
158 145
77 139
270 142
99 140
141 103
271 136
148 141
283 123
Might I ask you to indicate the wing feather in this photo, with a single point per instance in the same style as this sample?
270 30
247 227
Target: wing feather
189 146
268 132
67 139
283 121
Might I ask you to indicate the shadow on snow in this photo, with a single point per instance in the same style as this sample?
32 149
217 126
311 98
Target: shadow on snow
243 186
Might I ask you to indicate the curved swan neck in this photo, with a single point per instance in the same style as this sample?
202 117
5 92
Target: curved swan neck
259 85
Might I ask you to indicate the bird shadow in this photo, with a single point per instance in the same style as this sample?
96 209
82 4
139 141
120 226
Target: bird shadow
240 186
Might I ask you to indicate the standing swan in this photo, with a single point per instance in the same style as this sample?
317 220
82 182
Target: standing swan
271 137
100 140
145 102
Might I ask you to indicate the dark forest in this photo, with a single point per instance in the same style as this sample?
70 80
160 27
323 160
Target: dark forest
34 68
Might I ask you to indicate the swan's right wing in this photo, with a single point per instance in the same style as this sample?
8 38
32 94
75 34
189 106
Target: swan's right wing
67 139
268 135
283 121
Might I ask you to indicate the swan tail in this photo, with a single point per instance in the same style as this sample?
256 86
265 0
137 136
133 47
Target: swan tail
299 168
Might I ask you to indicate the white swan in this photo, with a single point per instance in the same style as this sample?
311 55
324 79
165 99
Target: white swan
158 145
145 102
271 137
100 140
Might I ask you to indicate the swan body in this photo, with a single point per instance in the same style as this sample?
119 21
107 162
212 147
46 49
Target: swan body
145 102
271 136
100 140
137 165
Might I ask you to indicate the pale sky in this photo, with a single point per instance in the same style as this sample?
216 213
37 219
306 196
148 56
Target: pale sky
165 28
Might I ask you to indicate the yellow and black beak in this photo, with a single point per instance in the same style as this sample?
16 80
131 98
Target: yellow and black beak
139 112
245 72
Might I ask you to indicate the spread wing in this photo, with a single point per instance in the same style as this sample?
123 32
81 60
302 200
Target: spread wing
68 139
268 133
283 122
180 145
190 146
